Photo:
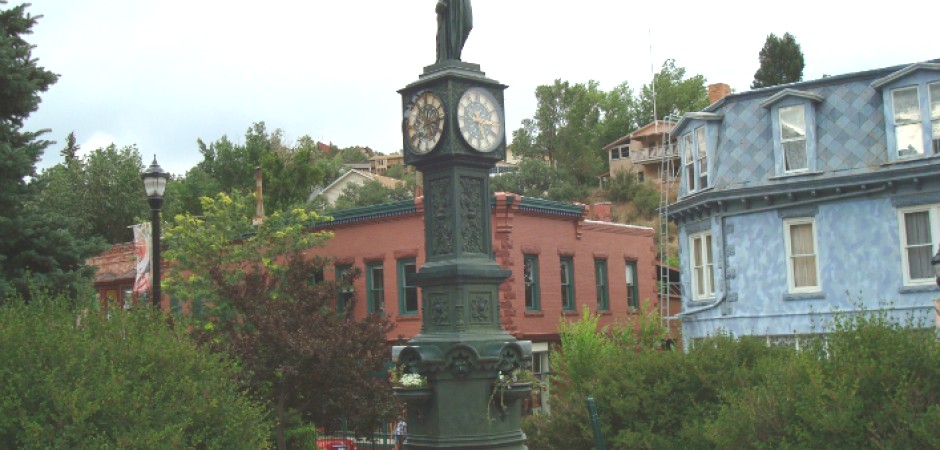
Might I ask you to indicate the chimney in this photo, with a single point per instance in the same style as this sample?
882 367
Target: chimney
259 198
717 92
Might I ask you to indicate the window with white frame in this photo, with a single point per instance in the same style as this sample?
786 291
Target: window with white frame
918 242
703 271
793 138
689 163
702 148
802 261
935 116
907 124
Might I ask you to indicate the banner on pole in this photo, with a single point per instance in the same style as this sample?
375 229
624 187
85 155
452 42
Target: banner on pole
142 248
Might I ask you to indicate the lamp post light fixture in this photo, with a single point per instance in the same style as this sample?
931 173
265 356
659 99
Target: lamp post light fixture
154 179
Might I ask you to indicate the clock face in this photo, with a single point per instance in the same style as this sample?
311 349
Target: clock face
424 122
480 119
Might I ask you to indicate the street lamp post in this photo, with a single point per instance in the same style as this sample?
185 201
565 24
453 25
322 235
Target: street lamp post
154 184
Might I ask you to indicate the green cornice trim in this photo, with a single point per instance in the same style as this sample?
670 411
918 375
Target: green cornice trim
540 205
364 213
405 207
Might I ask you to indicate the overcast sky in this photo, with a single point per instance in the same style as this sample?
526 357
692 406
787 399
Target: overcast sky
161 74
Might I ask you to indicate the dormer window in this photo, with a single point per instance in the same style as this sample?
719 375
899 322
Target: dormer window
793 114
793 138
907 127
702 148
697 146
696 159
912 111
935 116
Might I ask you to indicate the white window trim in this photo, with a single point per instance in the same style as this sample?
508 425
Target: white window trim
688 142
932 119
709 283
894 122
787 224
699 158
933 214
783 141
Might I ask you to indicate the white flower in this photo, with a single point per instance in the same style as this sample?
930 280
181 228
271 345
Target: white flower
412 380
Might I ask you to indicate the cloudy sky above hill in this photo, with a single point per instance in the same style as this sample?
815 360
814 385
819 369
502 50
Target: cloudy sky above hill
161 74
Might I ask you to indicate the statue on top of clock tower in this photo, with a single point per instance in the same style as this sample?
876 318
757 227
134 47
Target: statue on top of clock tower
454 22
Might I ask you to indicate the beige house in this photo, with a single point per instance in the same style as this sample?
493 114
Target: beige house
380 163
352 177
645 150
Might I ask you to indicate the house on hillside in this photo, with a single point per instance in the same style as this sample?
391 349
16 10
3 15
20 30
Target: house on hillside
350 178
379 164
644 151
804 199
560 263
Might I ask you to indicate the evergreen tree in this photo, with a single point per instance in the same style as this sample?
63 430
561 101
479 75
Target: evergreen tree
34 245
781 62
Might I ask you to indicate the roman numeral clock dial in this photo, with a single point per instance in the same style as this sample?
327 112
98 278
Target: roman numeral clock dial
424 122
480 120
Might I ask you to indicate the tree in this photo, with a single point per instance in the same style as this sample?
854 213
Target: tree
101 192
570 123
34 245
781 62
74 378
674 93
254 294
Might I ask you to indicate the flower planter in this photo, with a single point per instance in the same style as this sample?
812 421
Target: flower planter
417 395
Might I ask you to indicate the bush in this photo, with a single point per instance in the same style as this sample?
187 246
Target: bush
624 188
870 383
78 379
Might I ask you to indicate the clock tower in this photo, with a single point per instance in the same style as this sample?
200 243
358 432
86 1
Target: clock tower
454 132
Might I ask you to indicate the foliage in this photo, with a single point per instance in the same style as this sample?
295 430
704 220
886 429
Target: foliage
371 193
35 244
535 178
781 62
100 193
253 293
289 172
871 383
567 127
574 121
624 187
675 94
75 378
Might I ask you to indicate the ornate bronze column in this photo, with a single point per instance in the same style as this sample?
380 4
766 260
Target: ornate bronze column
454 133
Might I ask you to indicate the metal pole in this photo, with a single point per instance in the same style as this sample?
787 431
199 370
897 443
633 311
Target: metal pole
155 251
599 443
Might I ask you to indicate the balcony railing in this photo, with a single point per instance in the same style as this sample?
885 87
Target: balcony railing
654 154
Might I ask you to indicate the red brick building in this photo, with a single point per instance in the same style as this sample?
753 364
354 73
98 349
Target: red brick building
560 263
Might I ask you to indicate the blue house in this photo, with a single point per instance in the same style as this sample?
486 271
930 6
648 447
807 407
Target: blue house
800 200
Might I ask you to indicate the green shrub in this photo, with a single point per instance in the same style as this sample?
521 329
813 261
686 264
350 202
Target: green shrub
870 383
79 379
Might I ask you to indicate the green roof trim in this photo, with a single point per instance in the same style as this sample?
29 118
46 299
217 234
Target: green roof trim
405 207
551 207
364 213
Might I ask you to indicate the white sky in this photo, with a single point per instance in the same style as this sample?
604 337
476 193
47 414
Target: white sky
161 74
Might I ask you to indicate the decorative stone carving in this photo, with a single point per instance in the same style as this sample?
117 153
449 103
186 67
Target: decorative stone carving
461 362
479 308
438 306
442 233
471 191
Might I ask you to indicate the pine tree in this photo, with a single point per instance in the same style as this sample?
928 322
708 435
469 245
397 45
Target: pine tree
781 62
33 245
